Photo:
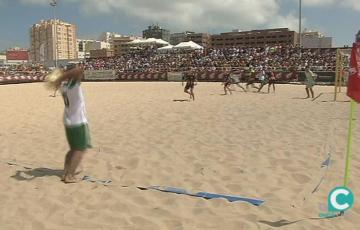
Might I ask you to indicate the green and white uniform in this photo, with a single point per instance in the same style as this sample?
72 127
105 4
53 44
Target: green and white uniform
75 121
310 79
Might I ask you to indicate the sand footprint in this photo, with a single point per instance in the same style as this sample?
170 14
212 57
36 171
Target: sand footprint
301 178
133 163
174 225
143 223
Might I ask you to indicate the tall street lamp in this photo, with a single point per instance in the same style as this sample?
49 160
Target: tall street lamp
53 3
300 25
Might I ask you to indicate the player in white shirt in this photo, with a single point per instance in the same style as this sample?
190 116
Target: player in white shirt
75 121
309 81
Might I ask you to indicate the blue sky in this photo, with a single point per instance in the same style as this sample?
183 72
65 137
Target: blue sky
340 19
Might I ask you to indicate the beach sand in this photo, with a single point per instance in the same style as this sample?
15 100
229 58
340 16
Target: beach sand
266 146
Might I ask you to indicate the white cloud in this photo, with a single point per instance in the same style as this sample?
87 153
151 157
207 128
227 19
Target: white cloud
197 15
200 15
36 1
289 21
352 4
191 14
318 2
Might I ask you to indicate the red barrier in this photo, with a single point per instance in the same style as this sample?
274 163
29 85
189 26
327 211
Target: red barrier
244 76
142 76
214 76
210 76
11 79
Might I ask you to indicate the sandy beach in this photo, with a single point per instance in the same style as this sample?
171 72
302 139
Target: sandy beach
264 146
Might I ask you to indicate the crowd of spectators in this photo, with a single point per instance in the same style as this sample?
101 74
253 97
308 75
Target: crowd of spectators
23 70
277 57
280 58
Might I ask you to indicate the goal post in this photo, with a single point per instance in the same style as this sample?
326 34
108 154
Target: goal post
342 65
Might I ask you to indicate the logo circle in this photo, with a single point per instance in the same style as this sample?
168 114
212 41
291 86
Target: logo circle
340 199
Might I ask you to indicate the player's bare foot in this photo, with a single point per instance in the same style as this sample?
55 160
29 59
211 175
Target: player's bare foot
70 179
76 174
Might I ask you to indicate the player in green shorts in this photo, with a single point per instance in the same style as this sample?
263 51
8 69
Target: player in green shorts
75 121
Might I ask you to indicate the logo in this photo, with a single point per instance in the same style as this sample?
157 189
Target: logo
340 199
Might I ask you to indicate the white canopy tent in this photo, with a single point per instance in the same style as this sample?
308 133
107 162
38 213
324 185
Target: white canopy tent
188 45
136 41
149 41
165 48
156 41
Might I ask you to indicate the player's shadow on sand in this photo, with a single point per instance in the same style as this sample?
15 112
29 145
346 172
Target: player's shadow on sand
331 101
282 223
300 98
181 100
30 174
261 92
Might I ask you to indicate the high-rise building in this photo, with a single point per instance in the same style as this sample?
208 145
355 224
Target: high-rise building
314 39
117 42
85 46
108 36
156 31
120 44
255 38
46 45
176 38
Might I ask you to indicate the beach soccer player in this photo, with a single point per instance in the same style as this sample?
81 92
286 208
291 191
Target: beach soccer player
191 80
263 78
269 78
309 81
227 83
236 80
75 121
251 79
272 79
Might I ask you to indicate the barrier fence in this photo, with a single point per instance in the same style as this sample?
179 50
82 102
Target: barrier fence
205 76
100 75
142 76
20 78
